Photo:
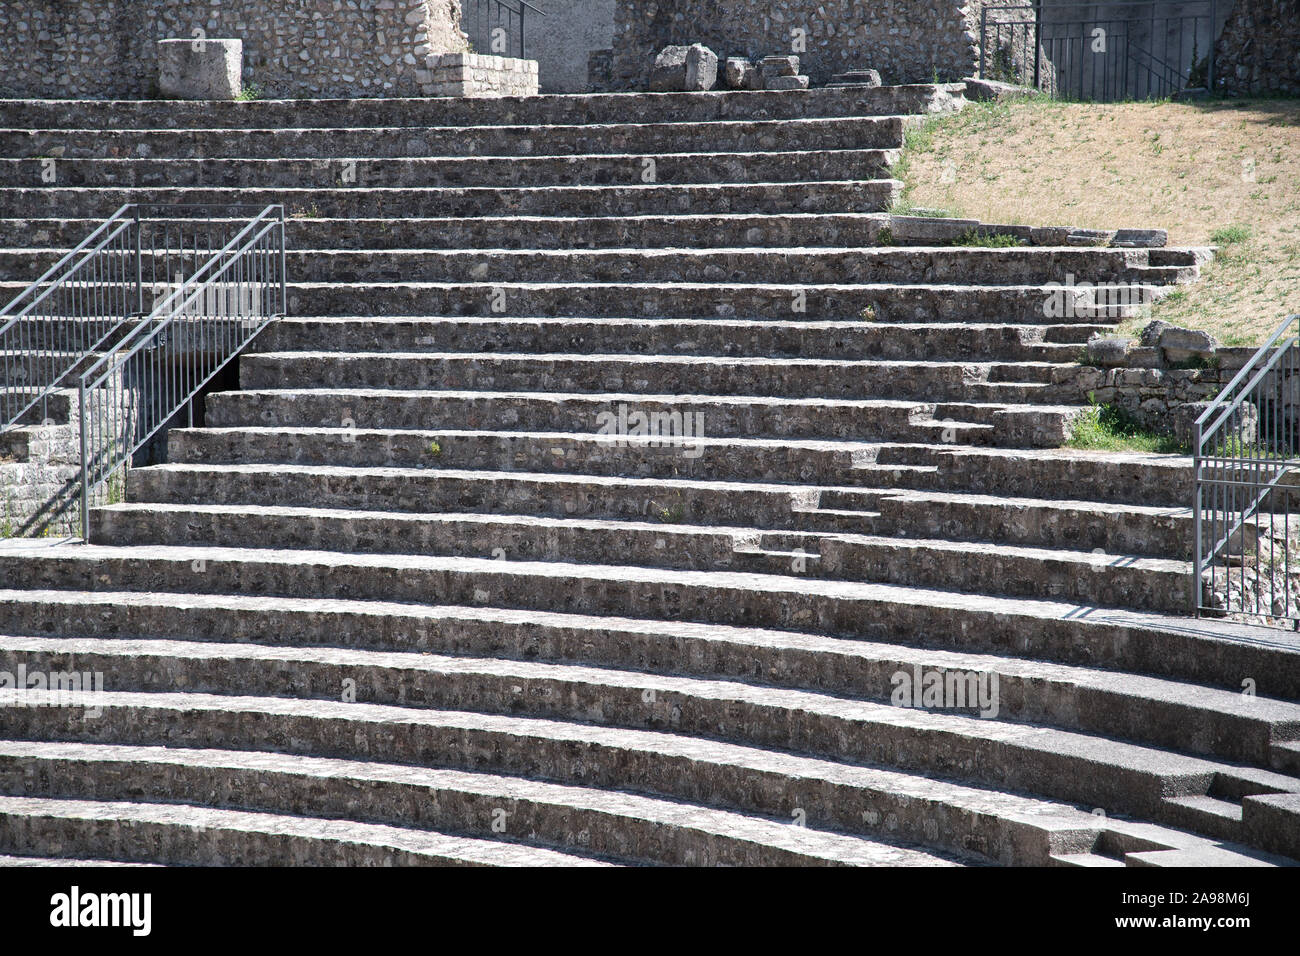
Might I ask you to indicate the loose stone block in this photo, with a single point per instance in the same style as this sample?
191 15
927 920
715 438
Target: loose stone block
701 68
780 66
1108 351
1182 345
669 73
786 83
204 69
742 74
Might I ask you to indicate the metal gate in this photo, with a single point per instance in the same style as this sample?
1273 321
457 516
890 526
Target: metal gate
1121 50
497 27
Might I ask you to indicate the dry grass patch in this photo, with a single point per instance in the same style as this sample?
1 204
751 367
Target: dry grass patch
1223 173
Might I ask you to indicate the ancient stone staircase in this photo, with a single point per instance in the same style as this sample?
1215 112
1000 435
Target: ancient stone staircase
402 600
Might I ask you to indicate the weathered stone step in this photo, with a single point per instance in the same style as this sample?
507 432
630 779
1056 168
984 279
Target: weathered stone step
1185 717
1149 481
841 340
534 232
1014 304
527 538
724 416
820 266
372 201
1128 477
9 860
888 303
669 168
202 836
1117 776
730 507
1087 577
682 374
614 825
1023 641
686 108
1115 528
343 143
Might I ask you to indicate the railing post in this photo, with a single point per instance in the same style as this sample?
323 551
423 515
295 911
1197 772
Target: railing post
1038 32
139 264
284 294
984 32
1196 519
1209 66
85 461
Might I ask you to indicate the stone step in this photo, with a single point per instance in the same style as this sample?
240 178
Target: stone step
1093 578
724 416
839 340
607 824
1191 718
1061 765
1150 481
689 109
681 374
1045 653
582 169
1012 304
8 860
1039 569
1030 305
313 202
519 538
854 567
342 144
850 230
498 498
192 835
817 266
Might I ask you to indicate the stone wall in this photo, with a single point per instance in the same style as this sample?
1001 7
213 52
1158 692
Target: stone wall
472 74
1259 49
105 49
908 41
562 40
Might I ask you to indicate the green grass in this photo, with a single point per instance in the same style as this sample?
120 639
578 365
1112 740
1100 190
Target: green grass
1230 235
1111 428
994 240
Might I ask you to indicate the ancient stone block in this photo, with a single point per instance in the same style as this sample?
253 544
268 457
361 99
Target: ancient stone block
742 74
780 66
1182 345
669 72
701 68
205 69
1108 351
785 83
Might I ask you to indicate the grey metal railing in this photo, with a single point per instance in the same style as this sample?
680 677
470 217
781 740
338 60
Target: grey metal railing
496 27
94 295
1247 478
153 374
1119 50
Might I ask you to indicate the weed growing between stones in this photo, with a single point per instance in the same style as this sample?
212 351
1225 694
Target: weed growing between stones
995 240
1112 428
250 92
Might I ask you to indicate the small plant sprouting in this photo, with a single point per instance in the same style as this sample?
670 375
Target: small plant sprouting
869 314
988 240
435 448
249 93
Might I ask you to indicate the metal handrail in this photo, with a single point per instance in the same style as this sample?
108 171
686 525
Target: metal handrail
95 293
1244 474
129 395
475 13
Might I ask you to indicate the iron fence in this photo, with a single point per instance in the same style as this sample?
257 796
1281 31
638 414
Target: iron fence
1108 51
1247 462
95 295
201 321
496 27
